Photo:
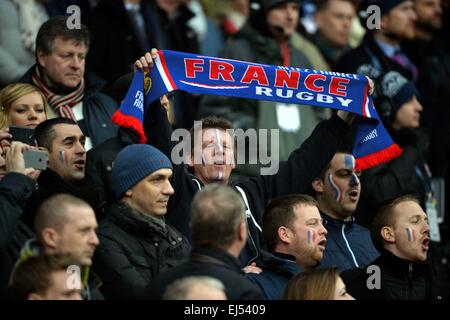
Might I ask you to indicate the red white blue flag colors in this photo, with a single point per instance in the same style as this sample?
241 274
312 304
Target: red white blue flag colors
208 75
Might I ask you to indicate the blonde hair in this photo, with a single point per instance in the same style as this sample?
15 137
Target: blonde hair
12 93
318 284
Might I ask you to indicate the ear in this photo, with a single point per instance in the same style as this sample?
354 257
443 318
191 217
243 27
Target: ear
317 185
388 234
34 296
49 238
128 193
242 231
40 56
384 20
283 235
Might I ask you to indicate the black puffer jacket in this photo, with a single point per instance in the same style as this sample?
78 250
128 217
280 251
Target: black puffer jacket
14 190
133 249
399 280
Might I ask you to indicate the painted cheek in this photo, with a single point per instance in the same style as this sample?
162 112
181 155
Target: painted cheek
62 157
311 236
337 190
410 234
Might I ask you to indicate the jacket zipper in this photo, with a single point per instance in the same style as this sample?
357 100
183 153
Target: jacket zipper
409 283
348 246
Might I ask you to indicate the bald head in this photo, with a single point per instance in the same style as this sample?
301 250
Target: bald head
65 224
196 288
53 212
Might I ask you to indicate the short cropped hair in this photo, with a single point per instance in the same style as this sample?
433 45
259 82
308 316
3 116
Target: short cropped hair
280 212
33 275
52 213
44 132
385 217
179 289
57 27
216 214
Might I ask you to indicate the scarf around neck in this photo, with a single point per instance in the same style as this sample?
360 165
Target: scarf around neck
61 104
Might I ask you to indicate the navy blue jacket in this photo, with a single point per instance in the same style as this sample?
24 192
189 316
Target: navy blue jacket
277 270
349 245
98 109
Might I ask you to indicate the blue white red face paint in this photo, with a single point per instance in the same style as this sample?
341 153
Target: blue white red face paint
219 152
410 233
62 157
311 236
335 187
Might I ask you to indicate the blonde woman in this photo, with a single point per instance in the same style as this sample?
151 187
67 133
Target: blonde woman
319 284
22 105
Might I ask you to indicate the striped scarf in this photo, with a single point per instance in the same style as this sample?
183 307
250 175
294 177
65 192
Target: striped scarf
60 104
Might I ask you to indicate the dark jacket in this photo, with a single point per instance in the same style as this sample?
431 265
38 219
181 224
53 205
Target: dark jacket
133 249
294 176
15 188
50 183
277 270
349 245
208 262
369 53
98 108
400 280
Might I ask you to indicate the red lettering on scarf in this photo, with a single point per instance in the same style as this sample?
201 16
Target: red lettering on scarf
291 79
220 69
310 82
255 73
338 86
191 66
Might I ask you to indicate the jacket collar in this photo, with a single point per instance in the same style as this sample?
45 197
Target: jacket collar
220 257
136 222
400 266
331 223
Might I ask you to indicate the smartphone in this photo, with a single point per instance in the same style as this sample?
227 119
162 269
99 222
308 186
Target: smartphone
36 159
25 135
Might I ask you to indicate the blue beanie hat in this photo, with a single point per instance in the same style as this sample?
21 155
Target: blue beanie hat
133 163
398 89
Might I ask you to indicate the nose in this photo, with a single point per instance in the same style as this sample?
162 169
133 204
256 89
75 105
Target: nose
323 230
32 115
168 189
426 228
80 148
418 105
76 62
354 180
94 239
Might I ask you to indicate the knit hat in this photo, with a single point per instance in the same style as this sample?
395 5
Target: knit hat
269 4
133 163
398 89
384 5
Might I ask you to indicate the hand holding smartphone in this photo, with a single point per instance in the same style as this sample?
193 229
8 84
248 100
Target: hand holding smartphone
36 159
25 135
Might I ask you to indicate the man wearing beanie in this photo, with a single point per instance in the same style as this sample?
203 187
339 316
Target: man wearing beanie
381 48
136 242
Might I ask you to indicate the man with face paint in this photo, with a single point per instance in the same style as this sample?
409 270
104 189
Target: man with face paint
64 141
400 231
337 190
295 238
213 161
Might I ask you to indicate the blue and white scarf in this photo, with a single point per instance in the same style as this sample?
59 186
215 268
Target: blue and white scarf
208 75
